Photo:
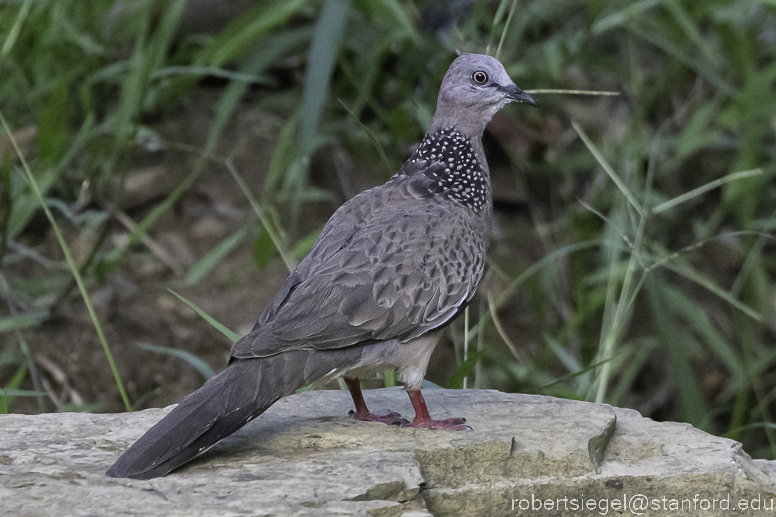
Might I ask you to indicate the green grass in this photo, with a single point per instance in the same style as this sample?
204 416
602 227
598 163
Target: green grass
647 280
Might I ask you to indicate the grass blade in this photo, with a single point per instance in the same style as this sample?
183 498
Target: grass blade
572 375
690 396
608 168
662 207
23 393
401 14
519 357
284 156
71 264
249 29
700 321
525 275
622 16
206 263
215 324
274 47
201 366
371 136
506 27
11 389
287 258
320 64
690 273
210 71
689 58
13 34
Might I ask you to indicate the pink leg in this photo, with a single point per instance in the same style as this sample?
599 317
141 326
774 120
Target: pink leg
423 419
362 412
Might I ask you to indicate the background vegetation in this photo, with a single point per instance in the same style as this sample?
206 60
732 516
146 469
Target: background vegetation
633 259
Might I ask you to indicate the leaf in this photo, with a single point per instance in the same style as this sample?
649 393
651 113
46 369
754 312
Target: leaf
285 153
54 116
403 21
320 64
11 389
11 357
305 244
23 320
464 369
248 29
263 249
389 378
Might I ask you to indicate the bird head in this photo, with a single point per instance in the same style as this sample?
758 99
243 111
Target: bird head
475 87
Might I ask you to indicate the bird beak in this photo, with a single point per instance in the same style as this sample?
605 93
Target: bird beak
514 93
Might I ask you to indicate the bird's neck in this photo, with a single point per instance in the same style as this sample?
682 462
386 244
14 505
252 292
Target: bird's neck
456 166
468 119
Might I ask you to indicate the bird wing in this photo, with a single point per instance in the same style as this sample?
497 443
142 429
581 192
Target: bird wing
392 263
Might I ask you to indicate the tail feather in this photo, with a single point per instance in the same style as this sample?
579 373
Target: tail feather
224 404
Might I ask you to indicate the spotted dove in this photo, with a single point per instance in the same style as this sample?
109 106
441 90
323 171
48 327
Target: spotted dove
391 268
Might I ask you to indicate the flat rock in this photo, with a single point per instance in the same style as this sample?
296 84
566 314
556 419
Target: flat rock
527 454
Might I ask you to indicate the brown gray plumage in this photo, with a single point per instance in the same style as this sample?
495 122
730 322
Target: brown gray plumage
391 268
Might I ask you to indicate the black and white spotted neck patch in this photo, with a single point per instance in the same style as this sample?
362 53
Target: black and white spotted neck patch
462 179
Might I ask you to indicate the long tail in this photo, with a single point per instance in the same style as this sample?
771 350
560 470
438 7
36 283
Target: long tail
224 404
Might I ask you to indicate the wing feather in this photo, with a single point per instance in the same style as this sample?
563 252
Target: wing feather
384 267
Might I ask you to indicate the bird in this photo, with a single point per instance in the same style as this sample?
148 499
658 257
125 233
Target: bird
392 267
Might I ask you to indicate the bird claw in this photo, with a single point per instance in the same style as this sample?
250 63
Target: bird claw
450 424
389 419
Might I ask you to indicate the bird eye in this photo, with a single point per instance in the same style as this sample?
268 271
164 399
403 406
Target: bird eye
480 77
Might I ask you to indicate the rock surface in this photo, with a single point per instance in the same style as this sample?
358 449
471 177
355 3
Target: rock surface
306 457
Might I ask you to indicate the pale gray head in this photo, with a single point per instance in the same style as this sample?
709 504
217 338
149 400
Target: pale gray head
475 87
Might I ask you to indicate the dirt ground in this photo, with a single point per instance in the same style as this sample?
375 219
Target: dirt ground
133 302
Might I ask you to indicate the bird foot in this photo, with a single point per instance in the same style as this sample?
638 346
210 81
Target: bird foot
389 419
450 424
